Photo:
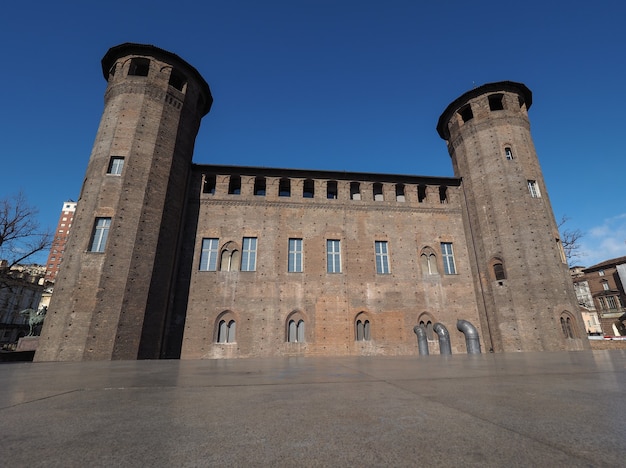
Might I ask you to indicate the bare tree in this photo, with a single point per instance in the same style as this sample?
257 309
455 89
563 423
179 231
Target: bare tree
20 234
570 240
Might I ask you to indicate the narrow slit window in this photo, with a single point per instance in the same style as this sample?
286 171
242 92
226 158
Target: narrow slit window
421 193
508 153
443 194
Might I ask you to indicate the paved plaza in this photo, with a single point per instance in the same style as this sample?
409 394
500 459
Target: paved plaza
527 409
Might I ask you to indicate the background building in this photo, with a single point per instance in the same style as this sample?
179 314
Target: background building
60 239
606 287
170 259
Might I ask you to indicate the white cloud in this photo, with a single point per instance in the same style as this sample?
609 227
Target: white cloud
604 242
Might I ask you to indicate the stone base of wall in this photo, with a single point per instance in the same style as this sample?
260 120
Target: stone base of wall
607 344
27 343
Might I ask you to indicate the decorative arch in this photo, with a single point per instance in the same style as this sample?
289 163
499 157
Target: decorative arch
295 331
230 256
428 261
427 321
225 328
569 326
362 331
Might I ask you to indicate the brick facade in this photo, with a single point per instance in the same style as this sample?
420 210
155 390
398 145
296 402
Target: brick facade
168 280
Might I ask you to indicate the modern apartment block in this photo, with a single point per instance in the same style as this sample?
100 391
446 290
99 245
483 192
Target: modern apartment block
60 240
171 259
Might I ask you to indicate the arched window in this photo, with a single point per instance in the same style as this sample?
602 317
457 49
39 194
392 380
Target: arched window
362 328
426 322
296 331
226 328
568 326
229 257
428 260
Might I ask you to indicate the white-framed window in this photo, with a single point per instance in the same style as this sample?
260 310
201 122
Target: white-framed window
116 164
209 254
447 255
333 256
508 153
605 285
294 262
248 254
533 188
100 233
601 273
382 257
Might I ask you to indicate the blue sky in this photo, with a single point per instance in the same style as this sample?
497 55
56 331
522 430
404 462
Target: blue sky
338 85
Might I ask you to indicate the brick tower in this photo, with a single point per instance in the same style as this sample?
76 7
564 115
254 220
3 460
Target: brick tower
521 275
108 302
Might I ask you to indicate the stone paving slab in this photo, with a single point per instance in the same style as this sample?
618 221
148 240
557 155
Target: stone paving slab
535 409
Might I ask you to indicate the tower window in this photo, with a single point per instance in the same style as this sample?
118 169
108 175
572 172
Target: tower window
139 67
449 266
248 255
259 186
443 194
382 257
533 188
308 190
284 188
400 192
208 254
378 192
99 236
421 193
234 186
177 80
295 333
209 184
331 189
355 191
498 271
495 102
116 164
508 153
333 256
466 113
294 262
226 331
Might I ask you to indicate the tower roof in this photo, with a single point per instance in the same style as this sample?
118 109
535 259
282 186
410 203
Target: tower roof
512 86
129 48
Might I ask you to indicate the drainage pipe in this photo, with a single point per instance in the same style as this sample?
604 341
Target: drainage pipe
471 336
444 338
422 340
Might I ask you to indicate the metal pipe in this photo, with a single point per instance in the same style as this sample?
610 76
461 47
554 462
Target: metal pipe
444 338
471 336
422 340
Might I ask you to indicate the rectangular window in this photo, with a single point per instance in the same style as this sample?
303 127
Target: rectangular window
448 258
208 255
382 257
333 256
116 164
248 254
611 302
533 188
100 234
605 285
295 256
